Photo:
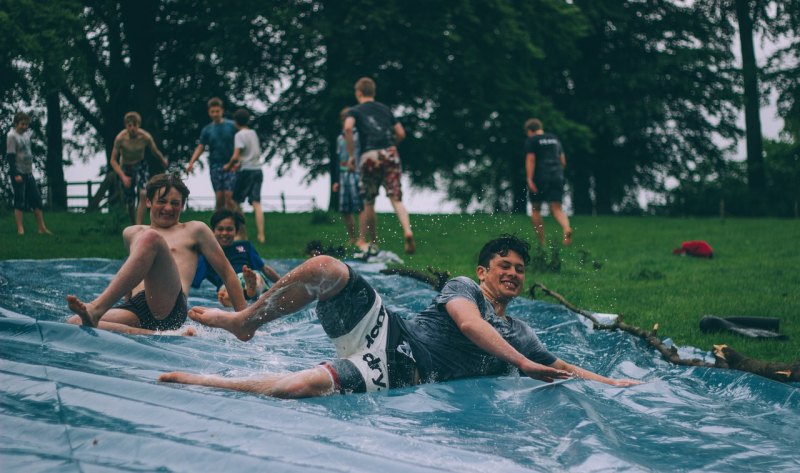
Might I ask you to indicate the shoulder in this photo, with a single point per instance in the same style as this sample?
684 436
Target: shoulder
121 135
147 136
461 284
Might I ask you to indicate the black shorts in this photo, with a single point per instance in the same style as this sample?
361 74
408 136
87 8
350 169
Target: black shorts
367 338
139 175
26 193
138 305
248 185
551 190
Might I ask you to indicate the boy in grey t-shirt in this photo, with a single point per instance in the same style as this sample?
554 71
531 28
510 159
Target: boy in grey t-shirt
20 161
465 332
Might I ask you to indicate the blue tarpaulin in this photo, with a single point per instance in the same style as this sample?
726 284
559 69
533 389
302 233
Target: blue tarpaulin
80 399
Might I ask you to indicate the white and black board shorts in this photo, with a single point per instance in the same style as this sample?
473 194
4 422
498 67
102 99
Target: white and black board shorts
366 340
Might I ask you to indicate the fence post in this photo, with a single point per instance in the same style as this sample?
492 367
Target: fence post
88 192
283 202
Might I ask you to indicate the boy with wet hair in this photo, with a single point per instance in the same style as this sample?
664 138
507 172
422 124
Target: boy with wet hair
20 161
251 270
161 263
464 332
127 160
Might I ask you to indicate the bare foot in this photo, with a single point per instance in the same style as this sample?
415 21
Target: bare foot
410 247
250 282
261 238
84 311
181 377
45 231
567 237
223 297
221 319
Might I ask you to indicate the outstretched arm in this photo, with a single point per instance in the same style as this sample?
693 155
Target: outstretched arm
530 167
157 153
579 372
469 321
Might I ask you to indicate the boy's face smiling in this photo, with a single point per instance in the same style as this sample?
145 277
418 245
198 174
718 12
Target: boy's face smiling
225 232
165 208
504 277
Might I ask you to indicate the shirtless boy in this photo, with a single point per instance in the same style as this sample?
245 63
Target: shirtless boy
159 269
127 160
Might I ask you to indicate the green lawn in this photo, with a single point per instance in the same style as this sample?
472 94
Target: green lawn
616 264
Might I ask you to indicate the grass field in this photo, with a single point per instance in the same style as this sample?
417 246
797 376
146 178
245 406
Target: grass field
616 264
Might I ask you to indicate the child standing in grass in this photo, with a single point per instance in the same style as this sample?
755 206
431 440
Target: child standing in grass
246 161
20 160
350 200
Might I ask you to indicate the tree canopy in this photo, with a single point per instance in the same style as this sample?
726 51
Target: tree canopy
640 93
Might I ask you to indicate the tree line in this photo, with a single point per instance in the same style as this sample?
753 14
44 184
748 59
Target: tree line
644 94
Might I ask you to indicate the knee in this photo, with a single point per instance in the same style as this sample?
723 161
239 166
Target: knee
150 237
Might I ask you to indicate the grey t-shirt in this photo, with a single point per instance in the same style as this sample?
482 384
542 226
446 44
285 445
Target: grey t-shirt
20 147
442 352
250 154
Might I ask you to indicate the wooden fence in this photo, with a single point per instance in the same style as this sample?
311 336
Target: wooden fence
271 203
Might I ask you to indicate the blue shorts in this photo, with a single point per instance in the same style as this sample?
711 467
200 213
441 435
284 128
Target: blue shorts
221 180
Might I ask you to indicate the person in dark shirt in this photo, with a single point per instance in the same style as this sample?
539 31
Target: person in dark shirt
464 332
379 163
544 167
252 271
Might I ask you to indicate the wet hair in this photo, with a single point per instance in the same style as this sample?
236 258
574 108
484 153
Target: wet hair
21 117
533 124
366 86
222 214
132 118
215 102
501 246
241 116
167 181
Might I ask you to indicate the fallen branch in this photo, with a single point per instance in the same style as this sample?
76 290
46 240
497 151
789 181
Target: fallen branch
436 278
725 357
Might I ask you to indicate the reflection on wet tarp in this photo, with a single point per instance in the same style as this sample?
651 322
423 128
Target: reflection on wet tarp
75 399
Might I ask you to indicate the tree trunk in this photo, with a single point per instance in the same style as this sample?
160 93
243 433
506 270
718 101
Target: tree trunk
54 166
756 175
139 20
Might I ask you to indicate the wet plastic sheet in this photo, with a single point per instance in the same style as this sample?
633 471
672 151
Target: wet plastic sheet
77 399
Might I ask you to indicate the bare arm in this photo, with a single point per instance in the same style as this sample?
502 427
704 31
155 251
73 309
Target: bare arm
563 160
126 181
349 124
209 248
530 167
230 165
197 152
469 321
399 133
157 153
579 372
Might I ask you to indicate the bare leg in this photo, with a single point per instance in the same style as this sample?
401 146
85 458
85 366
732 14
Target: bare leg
405 222
18 220
259 213
318 278
151 261
123 327
536 220
369 222
561 218
362 231
219 200
228 200
350 226
307 383
40 222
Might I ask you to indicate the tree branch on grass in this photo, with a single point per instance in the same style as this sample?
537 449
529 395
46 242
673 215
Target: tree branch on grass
436 278
725 357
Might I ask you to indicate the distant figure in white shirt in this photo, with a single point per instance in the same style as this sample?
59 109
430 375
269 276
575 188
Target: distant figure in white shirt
246 161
